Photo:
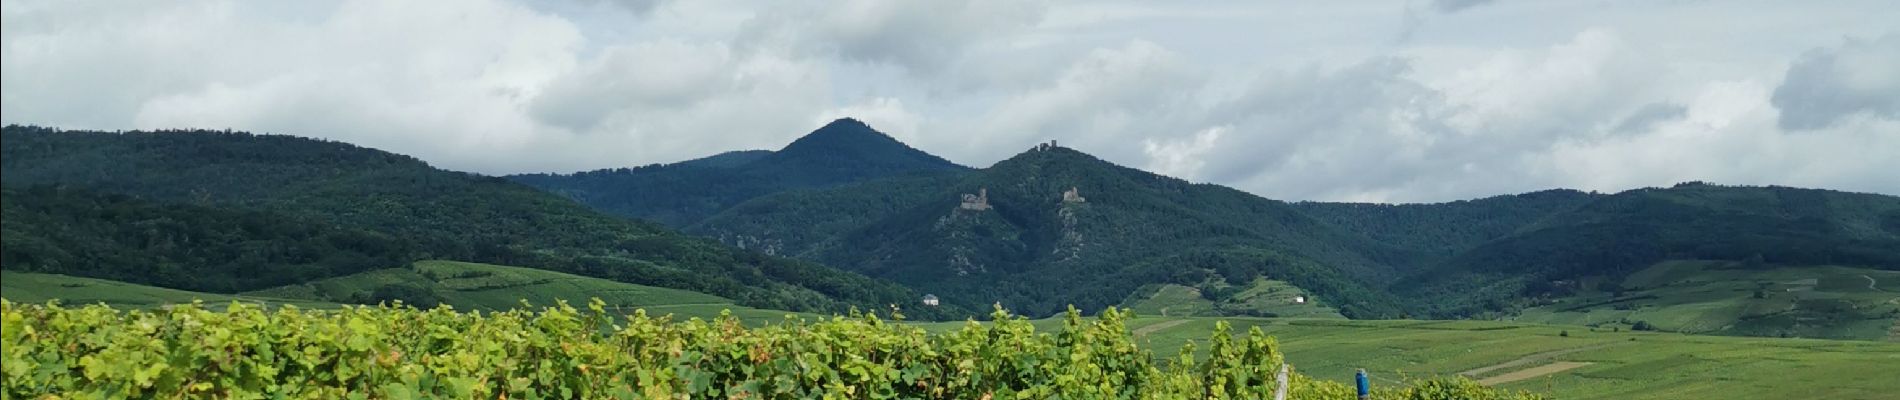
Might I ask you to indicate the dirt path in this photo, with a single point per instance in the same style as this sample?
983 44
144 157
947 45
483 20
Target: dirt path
1534 372
1531 359
1871 282
1157 327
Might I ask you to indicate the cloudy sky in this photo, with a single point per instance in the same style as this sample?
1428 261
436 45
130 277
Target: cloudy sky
1395 101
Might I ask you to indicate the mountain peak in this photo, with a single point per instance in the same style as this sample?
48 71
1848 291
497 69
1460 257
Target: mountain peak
848 132
850 141
1051 153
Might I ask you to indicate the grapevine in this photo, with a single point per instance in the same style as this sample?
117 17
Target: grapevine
559 352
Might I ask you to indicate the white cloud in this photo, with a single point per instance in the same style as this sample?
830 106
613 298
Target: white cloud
1182 158
1291 101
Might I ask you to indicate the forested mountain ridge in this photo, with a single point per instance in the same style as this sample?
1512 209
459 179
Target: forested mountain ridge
1619 234
1031 250
1039 231
1444 229
181 246
683 193
1054 226
440 214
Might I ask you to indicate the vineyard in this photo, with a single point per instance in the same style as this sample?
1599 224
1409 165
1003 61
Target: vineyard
396 352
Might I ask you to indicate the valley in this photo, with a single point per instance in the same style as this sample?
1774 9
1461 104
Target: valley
1696 290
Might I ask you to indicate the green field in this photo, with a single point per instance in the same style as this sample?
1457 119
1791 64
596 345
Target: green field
466 286
1567 361
27 287
472 286
1727 298
1261 298
1620 365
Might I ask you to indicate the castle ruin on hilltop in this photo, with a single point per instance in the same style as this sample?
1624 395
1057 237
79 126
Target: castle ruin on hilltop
1073 195
976 202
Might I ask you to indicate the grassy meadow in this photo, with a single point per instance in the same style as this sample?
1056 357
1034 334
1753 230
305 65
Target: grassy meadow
1601 364
1261 297
474 286
28 287
1729 298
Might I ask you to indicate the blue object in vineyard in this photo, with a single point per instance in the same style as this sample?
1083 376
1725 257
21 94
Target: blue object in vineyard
1365 388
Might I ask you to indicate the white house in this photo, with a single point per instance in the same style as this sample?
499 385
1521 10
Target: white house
930 300
1299 299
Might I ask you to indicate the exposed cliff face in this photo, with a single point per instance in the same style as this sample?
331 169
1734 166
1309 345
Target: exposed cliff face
1069 244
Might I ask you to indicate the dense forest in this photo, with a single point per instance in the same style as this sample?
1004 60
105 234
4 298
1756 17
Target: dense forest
1622 233
1047 228
119 237
1444 229
1033 251
435 214
683 193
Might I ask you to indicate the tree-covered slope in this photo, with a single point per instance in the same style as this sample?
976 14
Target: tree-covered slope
683 193
440 214
1444 229
78 232
1619 234
1032 250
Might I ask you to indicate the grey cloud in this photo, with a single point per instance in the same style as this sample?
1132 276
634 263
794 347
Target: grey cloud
638 7
1648 116
1827 84
1293 110
1412 19
923 37
1328 134
659 76
1099 102
1452 6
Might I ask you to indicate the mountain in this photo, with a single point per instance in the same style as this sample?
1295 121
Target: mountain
362 200
181 246
1617 235
683 193
1052 227
1131 232
1444 229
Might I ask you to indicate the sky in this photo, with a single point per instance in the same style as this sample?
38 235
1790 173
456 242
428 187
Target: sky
1383 101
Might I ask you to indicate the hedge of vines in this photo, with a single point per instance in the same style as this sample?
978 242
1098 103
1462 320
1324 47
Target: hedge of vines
397 352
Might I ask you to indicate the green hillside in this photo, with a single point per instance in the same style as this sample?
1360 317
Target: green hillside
1444 229
683 193
1260 298
184 246
808 223
1733 298
1615 236
1031 250
473 286
441 214
29 287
